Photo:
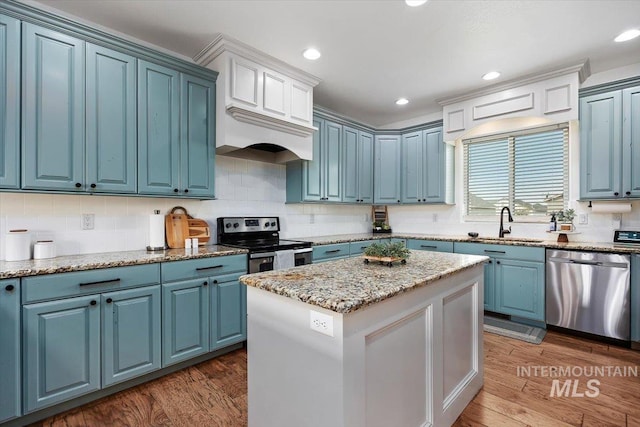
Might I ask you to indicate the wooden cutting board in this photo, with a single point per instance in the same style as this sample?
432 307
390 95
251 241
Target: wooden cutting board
180 226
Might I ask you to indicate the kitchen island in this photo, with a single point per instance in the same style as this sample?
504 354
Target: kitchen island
348 344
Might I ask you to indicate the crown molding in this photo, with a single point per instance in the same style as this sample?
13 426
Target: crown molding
223 43
583 69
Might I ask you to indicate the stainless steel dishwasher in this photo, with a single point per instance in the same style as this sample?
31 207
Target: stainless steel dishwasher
589 292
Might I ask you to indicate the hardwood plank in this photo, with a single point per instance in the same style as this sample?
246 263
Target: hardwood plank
590 421
72 418
477 415
632 421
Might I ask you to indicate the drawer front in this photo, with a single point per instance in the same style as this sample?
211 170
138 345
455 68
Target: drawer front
325 252
501 251
63 285
430 245
357 248
203 267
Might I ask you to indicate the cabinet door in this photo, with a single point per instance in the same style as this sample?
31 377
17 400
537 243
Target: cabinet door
333 163
228 311
53 110
365 167
350 165
130 333
489 285
111 141
9 349
635 298
600 145
9 103
430 245
433 166
519 288
312 169
197 136
158 129
631 141
412 163
185 320
61 347
387 169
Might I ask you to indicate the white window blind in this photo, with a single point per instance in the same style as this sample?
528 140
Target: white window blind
528 173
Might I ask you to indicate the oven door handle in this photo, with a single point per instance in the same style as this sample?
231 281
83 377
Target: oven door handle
262 255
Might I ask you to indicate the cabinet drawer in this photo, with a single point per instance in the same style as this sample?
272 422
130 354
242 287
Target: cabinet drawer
501 251
430 245
203 267
357 248
65 285
324 252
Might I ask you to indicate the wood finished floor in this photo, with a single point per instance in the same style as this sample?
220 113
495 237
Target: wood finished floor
214 393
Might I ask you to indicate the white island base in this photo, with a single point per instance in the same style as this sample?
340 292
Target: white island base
412 360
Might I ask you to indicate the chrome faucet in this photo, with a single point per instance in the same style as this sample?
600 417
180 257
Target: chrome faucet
502 231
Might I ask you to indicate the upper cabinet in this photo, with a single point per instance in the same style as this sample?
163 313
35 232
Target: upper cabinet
9 102
86 112
357 166
53 109
387 170
423 167
610 144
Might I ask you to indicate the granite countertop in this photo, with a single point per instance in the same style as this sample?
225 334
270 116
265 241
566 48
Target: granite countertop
347 285
515 241
64 264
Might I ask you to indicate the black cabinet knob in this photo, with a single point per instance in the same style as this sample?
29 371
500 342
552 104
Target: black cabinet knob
109 300
205 283
186 190
628 193
9 288
93 302
175 190
497 262
616 194
93 186
490 262
215 282
398 201
78 185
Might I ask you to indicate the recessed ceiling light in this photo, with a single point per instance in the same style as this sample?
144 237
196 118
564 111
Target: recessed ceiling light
402 101
415 3
311 54
491 75
627 35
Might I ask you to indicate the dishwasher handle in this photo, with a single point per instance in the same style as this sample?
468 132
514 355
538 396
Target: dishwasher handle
588 262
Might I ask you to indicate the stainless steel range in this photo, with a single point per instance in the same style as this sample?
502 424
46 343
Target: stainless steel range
261 236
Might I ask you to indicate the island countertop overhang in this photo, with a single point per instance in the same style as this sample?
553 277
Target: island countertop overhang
347 285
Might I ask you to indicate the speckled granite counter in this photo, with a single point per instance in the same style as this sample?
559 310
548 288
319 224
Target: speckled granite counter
63 264
515 241
347 285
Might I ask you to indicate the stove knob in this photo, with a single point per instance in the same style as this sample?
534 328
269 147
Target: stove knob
266 224
236 225
228 225
273 224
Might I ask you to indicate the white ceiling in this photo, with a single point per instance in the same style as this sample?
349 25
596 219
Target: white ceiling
374 52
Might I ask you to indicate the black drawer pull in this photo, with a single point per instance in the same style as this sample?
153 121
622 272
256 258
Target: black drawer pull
364 247
429 246
9 288
494 252
335 251
209 268
101 282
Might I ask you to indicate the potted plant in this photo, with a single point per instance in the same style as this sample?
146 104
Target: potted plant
381 227
386 253
565 219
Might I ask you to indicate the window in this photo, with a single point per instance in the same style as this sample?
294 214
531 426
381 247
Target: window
526 172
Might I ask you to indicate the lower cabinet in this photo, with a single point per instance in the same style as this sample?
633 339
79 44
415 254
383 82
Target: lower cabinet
635 301
10 403
358 248
430 245
332 252
228 311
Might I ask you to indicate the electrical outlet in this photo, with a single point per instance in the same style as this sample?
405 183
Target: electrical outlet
321 322
88 221
583 219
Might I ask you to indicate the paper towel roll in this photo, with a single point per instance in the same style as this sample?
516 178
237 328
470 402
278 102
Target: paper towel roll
17 245
156 231
610 207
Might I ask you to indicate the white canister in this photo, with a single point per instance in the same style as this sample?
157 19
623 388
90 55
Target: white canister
17 245
44 249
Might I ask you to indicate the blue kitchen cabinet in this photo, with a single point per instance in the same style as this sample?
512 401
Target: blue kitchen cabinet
53 110
10 362
358 248
185 320
61 350
430 245
631 141
228 310
519 288
197 136
9 103
130 333
423 168
111 138
158 129
357 166
387 169
330 252
635 301
333 162
601 146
